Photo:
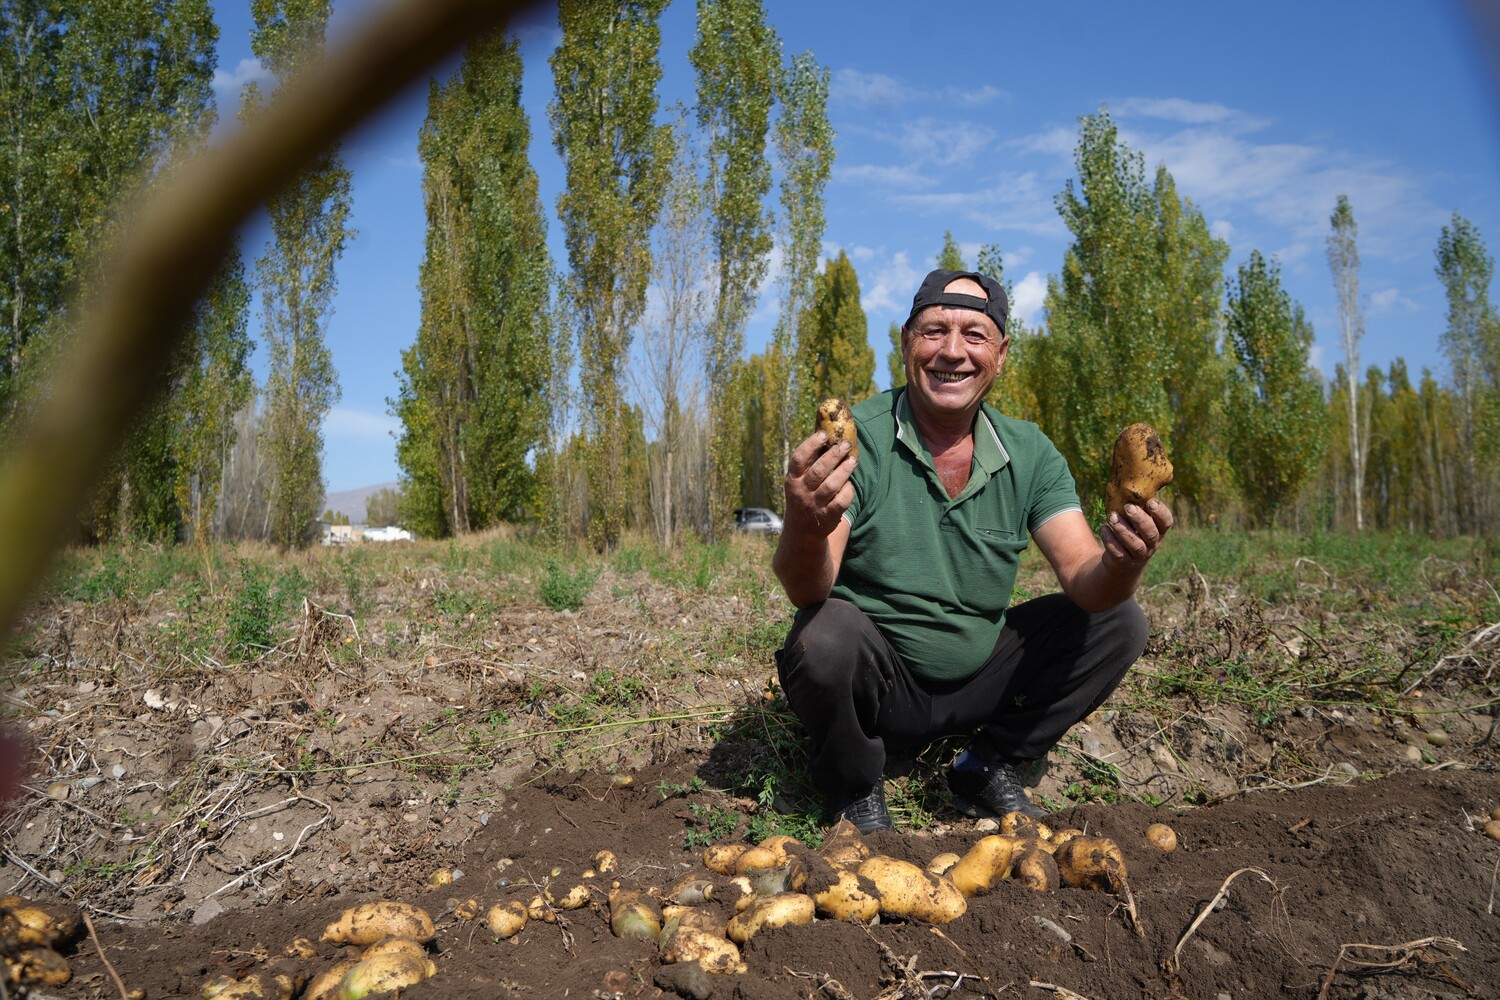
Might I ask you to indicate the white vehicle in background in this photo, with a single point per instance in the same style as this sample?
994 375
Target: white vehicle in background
757 519
391 534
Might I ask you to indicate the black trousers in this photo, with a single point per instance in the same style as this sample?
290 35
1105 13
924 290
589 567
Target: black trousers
1052 665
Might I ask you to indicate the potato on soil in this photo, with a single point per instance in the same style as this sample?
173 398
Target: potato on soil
573 898
683 916
844 847
540 909
369 922
906 891
385 974
943 863
690 944
606 863
835 420
1036 869
1022 826
1162 837
691 891
722 859
1091 863
631 915
786 909
1138 469
394 946
846 899
466 909
256 986
507 919
301 948
1492 829
38 926
38 967
325 985
985 865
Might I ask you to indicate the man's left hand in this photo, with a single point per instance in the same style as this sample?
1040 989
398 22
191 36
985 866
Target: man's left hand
1132 536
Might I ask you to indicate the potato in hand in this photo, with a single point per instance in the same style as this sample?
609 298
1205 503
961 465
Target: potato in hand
1138 469
835 420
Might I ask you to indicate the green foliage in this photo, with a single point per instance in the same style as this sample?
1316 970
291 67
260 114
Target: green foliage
737 62
562 590
605 73
1277 437
1133 322
383 507
473 396
834 353
803 139
951 258
253 610
308 221
1471 344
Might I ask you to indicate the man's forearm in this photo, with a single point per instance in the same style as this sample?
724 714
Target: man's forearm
805 565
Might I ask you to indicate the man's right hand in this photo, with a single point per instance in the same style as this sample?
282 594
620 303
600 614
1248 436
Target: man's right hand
814 532
818 490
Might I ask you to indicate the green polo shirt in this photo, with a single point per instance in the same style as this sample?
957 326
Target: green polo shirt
933 573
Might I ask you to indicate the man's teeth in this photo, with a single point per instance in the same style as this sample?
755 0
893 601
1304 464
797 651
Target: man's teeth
950 376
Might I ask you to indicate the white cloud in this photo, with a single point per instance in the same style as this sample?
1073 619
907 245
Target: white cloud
350 426
1028 297
1223 229
852 86
1388 299
925 140
229 85
887 296
1177 109
897 176
875 89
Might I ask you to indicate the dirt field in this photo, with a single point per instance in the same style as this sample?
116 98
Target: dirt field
427 717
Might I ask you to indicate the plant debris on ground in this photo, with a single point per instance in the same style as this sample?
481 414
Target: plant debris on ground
231 747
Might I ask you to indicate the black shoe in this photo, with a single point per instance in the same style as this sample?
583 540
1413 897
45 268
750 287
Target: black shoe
981 789
867 812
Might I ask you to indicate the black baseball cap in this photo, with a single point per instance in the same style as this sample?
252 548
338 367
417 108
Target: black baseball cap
996 307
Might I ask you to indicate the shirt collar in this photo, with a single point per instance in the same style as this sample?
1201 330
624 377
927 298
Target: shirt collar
989 452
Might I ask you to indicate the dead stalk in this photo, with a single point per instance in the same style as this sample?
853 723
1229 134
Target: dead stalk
94 937
1202 916
1061 991
1411 951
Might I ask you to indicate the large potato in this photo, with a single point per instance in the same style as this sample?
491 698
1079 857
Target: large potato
846 899
909 892
1138 469
690 944
786 909
370 922
631 915
985 865
385 974
844 847
1091 863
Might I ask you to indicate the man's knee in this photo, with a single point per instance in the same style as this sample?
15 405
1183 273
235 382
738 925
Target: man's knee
1130 630
824 643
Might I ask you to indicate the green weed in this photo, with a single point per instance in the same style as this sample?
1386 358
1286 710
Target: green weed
564 591
252 612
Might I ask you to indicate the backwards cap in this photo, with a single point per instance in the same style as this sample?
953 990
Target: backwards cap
996 307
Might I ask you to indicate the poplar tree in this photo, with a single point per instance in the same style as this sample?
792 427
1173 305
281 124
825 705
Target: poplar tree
473 386
1276 439
1471 344
94 99
616 157
1343 264
804 147
1013 393
1133 321
308 220
950 258
835 349
737 61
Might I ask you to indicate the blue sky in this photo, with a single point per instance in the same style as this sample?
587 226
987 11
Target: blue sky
965 119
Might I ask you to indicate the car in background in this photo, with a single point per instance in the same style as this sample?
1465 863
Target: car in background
757 519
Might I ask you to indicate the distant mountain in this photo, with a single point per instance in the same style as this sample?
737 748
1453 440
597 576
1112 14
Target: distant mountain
352 502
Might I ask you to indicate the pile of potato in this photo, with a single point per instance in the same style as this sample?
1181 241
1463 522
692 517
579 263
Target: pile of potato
777 883
30 936
384 949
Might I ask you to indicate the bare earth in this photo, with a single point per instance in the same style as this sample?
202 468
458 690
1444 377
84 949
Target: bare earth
206 812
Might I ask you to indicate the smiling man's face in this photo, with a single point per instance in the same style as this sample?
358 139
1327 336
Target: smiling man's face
953 356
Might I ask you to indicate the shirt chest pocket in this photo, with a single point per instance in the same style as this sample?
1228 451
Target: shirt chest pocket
983 562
